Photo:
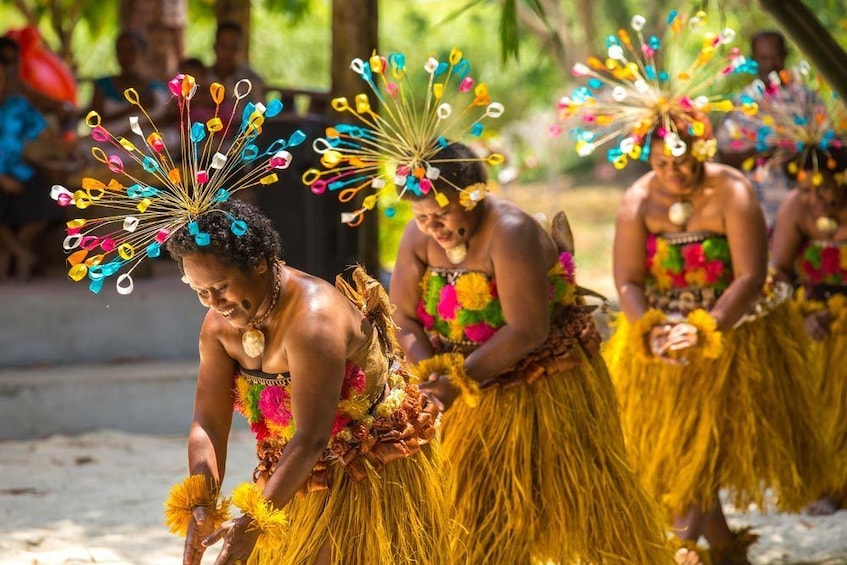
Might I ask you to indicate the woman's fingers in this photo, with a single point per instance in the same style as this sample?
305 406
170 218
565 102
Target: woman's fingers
218 534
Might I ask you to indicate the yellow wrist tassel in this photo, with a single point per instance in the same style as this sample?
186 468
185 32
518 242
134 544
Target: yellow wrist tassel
640 335
184 497
270 521
452 365
709 338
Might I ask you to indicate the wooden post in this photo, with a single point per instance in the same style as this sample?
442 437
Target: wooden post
162 23
355 34
237 11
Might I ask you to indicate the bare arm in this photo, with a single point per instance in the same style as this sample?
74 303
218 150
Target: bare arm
316 349
405 294
207 440
521 263
787 237
629 254
747 237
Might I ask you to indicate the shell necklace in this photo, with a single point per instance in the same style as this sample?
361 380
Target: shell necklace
253 340
457 254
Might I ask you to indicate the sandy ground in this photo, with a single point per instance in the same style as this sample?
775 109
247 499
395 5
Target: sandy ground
97 498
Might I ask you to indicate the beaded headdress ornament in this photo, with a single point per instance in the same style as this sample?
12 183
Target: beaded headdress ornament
154 192
629 97
393 148
798 113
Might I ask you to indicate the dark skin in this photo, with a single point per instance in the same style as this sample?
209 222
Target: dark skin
723 203
502 241
770 54
796 224
310 333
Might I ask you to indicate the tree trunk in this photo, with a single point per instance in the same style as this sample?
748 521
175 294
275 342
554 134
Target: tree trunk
354 34
237 11
162 23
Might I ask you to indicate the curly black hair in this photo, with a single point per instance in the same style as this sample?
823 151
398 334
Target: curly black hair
460 173
260 243
817 158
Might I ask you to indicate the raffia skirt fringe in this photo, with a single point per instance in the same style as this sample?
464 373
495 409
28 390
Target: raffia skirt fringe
399 514
829 362
745 422
540 475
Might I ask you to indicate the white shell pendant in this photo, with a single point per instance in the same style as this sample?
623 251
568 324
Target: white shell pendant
253 342
826 225
457 254
680 212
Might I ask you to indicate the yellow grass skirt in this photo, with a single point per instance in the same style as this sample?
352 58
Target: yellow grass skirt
399 514
744 422
540 474
829 360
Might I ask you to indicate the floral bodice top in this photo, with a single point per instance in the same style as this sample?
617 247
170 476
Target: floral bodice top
372 386
687 270
462 307
822 268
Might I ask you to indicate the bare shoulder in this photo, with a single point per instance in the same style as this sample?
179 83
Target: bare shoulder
729 179
792 208
313 298
510 223
634 196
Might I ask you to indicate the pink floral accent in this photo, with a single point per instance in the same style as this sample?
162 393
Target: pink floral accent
479 332
566 259
813 275
275 405
494 289
427 320
340 422
830 260
354 380
678 279
448 304
714 271
694 256
260 430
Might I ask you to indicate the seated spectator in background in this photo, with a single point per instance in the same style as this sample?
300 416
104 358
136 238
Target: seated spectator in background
769 51
229 66
108 98
26 209
63 112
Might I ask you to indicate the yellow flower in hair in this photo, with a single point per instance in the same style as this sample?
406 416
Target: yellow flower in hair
473 291
472 195
704 149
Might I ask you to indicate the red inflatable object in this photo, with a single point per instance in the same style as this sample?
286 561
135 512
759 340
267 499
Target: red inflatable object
41 69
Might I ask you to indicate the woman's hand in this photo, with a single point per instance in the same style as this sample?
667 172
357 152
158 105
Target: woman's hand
817 324
239 541
200 527
668 338
439 389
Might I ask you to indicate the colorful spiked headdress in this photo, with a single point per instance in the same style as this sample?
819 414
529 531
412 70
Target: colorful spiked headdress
646 87
392 147
798 114
153 190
